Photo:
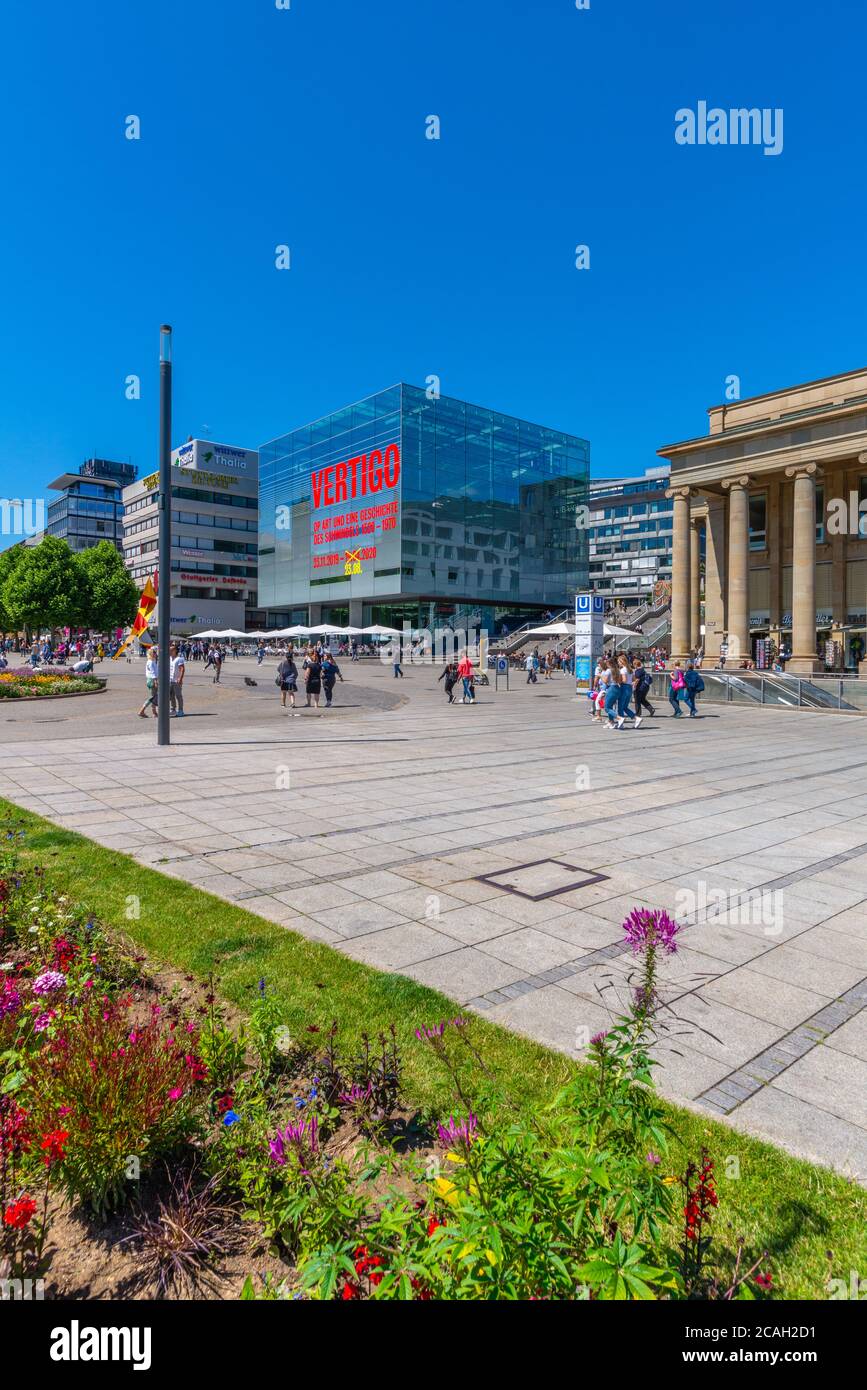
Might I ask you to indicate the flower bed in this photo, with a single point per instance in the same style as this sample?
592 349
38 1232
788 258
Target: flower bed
140 1123
26 683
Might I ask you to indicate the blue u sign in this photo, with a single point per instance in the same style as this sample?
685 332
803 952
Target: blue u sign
582 603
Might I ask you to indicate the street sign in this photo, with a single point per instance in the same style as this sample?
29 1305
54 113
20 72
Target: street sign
589 631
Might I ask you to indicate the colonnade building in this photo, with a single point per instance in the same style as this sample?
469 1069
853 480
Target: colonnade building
772 506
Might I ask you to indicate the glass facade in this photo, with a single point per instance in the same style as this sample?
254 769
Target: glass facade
89 510
407 508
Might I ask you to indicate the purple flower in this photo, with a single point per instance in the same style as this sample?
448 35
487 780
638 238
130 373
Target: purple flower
653 1159
42 1021
305 1133
49 982
10 999
644 998
356 1094
458 1132
646 928
435 1032
599 1038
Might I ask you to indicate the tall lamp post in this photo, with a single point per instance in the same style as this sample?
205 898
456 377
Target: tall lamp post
165 537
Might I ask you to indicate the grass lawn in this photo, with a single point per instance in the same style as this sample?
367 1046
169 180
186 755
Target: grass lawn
811 1221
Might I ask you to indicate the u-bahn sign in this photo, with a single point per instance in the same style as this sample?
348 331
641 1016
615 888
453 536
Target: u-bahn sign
589 631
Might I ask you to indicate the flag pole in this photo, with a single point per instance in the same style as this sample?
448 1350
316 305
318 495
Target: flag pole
165 537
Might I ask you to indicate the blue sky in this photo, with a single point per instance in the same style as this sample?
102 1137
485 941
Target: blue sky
410 256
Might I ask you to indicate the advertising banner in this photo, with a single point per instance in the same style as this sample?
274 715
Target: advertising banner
354 515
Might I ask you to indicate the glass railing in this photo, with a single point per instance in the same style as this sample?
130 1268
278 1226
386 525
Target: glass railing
846 693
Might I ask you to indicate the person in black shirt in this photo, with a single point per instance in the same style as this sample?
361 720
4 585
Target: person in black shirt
313 668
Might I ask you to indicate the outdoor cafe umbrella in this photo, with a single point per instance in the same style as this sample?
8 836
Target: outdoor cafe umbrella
568 630
377 631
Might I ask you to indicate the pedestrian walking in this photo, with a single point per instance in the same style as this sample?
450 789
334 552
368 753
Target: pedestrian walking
624 710
465 671
313 677
693 685
676 690
641 684
287 680
612 698
152 671
449 674
177 671
217 657
330 674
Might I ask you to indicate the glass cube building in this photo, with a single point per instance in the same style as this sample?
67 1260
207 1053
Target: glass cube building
420 510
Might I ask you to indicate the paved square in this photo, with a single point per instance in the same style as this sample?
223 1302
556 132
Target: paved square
450 843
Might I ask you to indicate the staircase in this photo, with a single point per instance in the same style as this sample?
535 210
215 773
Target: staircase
515 640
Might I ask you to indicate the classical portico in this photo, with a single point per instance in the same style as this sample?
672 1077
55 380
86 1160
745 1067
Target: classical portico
758 545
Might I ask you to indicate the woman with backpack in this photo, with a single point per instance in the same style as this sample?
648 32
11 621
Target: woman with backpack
641 685
693 685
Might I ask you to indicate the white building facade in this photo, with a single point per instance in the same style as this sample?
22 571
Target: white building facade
215 535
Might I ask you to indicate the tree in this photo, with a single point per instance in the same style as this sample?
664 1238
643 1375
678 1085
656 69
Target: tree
44 589
8 561
109 593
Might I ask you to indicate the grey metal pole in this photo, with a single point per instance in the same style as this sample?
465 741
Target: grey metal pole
165 536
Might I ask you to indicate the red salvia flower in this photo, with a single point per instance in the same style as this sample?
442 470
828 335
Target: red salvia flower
53 1146
20 1212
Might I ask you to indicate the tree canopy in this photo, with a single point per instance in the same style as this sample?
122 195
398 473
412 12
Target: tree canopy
8 561
48 586
109 593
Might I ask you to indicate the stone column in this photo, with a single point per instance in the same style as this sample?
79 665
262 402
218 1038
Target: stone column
738 569
695 585
803 660
714 577
680 564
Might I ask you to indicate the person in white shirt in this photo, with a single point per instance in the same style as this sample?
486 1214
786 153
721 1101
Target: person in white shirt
152 678
601 680
177 671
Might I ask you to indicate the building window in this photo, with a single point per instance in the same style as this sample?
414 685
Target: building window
758 521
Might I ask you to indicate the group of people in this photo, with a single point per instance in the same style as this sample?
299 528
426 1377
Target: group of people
77 651
463 671
535 664
177 672
319 673
622 684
